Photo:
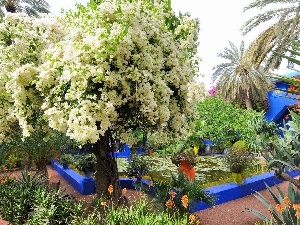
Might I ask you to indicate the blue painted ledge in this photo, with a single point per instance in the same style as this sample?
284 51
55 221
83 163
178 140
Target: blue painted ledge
231 191
81 184
224 192
87 186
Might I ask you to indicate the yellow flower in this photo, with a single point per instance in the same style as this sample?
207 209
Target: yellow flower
287 201
103 203
110 189
170 203
280 207
30 173
185 201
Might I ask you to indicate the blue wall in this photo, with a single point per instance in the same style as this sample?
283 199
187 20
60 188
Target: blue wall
279 102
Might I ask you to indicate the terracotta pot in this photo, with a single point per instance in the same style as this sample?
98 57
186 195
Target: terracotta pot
188 171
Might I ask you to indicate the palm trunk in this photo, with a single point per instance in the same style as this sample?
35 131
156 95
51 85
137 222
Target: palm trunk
248 103
107 173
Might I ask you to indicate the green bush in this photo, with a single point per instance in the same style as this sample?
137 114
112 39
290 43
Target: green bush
66 159
239 147
87 163
138 167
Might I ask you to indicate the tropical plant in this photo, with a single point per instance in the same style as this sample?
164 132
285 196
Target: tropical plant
99 73
87 163
38 148
237 77
286 210
276 38
32 8
34 203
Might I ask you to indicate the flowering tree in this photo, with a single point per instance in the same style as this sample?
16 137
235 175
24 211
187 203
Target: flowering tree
99 73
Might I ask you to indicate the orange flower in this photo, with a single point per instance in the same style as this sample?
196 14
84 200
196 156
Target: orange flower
103 203
280 207
110 189
170 203
192 218
172 194
185 201
298 214
30 173
287 201
296 207
124 191
3 180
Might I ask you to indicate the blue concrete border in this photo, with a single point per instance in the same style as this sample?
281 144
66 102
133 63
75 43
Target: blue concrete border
81 184
224 192
231 191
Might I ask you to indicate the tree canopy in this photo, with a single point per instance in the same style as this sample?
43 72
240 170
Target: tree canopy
237 77
285 19
99 72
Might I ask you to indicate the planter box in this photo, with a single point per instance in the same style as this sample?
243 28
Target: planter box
81 184
86 186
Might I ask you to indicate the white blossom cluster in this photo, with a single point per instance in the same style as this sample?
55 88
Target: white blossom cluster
97 65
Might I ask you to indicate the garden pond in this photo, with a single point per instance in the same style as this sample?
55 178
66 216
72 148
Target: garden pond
211 170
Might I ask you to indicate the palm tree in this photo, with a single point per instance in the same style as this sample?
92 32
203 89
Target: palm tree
275 38
238 77
30 7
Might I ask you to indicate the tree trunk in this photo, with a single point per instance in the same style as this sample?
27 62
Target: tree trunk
248 103
287 177
107 173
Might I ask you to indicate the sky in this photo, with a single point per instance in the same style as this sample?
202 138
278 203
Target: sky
220 23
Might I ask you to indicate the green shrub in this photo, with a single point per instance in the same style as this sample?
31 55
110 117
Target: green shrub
87 163
66 159
138 167
239 147
27 200
17 196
